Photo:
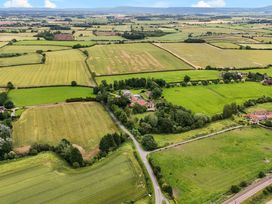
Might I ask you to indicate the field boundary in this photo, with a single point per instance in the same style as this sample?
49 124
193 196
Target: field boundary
177 56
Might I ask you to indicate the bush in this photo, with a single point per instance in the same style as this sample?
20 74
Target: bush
149 143
10 85
261 174
243 184
73 83
235 189
9 104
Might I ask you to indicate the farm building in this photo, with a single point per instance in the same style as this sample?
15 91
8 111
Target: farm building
258 116
64 37
2 109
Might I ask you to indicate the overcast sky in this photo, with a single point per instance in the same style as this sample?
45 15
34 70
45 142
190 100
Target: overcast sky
142 3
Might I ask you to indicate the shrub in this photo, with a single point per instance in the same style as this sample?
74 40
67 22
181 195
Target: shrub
235 189
9 104
73 83
10 85
149 143
261 174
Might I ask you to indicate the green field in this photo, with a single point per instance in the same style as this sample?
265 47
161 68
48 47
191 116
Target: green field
57 43
30 48
38 96
211 99
171 76
260 107
199 55
164 140
60 68
262 71
259 46
23 59
226 45
47 179
83 124
204 171
131 58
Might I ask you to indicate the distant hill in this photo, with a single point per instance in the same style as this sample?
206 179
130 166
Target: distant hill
138 10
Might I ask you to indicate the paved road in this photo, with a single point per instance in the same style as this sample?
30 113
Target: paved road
250 191
159 197
198 138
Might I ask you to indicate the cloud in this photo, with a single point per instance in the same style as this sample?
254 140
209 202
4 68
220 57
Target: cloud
49 4
17 3
161 4
210 3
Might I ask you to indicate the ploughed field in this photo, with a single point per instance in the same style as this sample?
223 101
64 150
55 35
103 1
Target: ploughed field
205 170
47 179
83 124
132 58
211 99
60 68
202 55
38 96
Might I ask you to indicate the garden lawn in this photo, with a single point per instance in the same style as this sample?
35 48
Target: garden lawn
205 170
60 68
168 139
83 124
132 58
116 179
38 96
211 99
23 59
202 55
57 43
169 77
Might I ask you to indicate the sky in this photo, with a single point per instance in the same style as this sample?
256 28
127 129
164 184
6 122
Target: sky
141 3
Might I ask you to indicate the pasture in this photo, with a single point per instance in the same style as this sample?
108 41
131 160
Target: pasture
170 77
167 139
212 98
199 56
23 59
30 48
131 58
38 96
204 171
56 43
60 68
115 179
83 124
260 107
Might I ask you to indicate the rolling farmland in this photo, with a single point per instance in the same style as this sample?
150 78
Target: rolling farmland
198 55
56 43
83 124
60 68
204 171
116 179
30 48
211 99
131 58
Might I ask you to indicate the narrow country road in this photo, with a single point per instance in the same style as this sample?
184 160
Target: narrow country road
198 138
250 191
159 197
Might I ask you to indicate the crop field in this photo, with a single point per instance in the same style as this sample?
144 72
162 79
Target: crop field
199 56
60 68
168 139
5 37
23 59
56 43
30 48
38 96
204 171
211 99
230 38
259 46
132 58
2 44
171 76
264 39
83 124
115 179
226 45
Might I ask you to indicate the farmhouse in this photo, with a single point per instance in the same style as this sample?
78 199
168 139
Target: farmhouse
64 37
258 116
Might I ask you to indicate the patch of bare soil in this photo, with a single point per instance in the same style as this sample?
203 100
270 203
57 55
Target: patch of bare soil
22 150
87 155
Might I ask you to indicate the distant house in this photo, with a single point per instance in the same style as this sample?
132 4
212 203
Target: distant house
258 116
267 82
64 37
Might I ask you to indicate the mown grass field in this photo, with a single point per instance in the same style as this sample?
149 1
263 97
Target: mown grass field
38 96
131 58
23 59
204 171
171 76
168 139
60 68
30 48
211 99
47 179
226 45
199 55
83 124
259 46
57 43
260 107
